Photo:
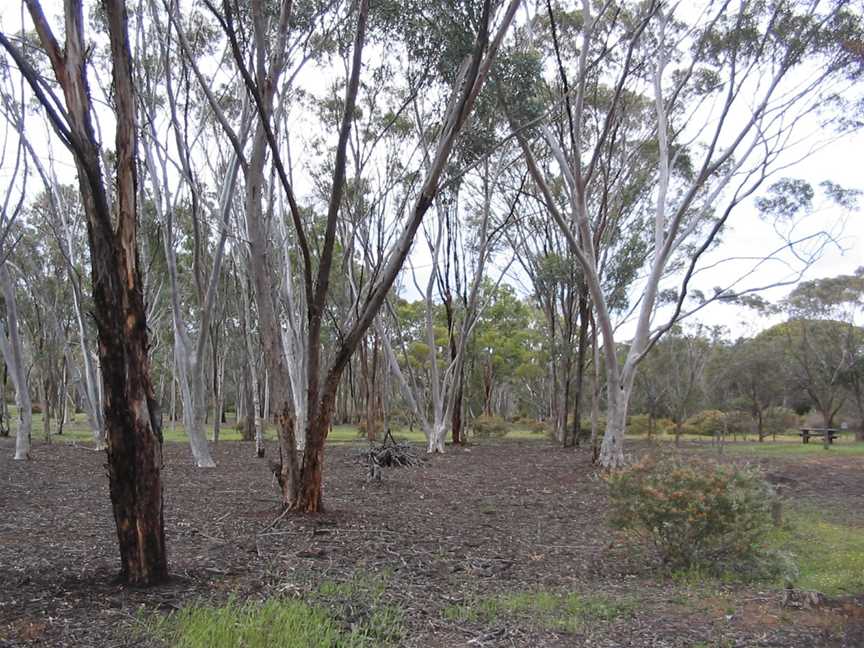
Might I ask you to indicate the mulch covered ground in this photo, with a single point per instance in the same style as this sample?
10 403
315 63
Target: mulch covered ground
467 526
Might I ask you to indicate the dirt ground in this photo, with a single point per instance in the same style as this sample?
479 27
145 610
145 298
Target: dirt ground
475 523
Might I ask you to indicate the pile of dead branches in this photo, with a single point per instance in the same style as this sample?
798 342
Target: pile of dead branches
388 454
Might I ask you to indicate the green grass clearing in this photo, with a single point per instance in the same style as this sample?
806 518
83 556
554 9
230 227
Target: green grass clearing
288 623
364 594
76 430
829 555
844 447
567 612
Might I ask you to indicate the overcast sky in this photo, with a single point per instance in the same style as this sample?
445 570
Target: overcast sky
746 238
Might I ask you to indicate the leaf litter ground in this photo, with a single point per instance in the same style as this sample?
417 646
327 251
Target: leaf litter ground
491 545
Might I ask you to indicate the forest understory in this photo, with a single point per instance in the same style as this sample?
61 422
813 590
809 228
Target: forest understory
490 545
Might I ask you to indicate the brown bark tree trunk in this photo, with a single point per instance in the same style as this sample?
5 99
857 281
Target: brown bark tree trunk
321 397
131 412
487 388
456 420
46 412
458 380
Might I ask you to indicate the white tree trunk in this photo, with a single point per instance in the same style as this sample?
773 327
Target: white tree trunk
13 354
190 371
294 338
435 440
91 390
612 449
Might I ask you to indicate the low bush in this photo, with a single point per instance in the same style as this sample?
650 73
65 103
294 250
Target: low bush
601 424
489 427
534 426
779 420
739 422
639 425
698 514
706 423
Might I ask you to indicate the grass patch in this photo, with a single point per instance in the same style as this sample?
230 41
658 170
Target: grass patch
338 614
361 601
829 555
552 611
278 622
76 430
288 623
844 447
361 584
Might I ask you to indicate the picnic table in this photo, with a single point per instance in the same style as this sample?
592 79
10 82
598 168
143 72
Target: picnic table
830 433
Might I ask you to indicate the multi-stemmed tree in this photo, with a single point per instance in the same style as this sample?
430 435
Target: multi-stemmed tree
700 110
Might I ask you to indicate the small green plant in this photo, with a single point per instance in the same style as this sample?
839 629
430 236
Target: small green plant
698 514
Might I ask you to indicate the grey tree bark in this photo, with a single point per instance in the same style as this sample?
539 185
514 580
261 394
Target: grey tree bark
12 348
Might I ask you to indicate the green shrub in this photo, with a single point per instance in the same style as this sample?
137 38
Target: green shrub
601 424
779 420
706 423
739 422
490 427
535 427
638 424
697 514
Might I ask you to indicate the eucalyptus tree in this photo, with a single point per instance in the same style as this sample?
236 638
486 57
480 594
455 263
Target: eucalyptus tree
822 341
755 372
59 209
169 144
444 382
816 357
58 212
302 483
703 108
676 366
132 417
854 379
13 154
557 289
505 341
12 347
46 316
